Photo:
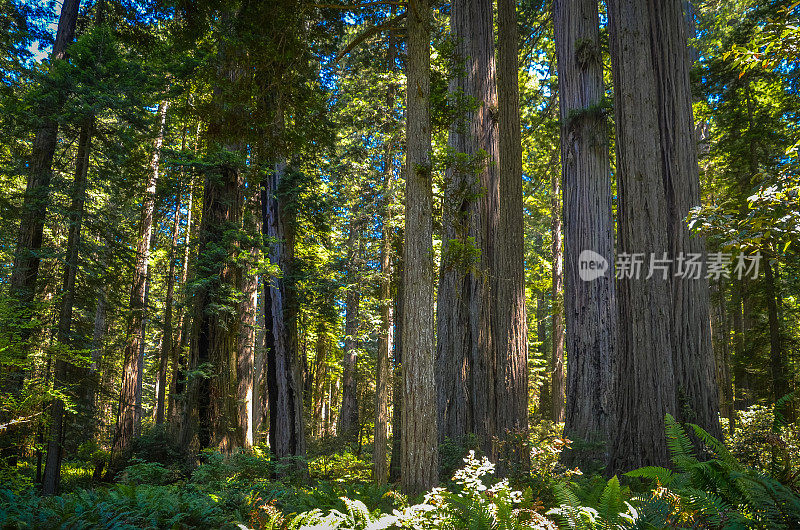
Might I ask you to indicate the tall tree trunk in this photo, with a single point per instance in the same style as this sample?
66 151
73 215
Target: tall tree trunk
779 369
247 332
664 349
212 408
589 305
397 360
348 415
132 374
420 455
465 363
34 208
25 270
510 329
178 359
383 380
284 377
166 334
545 406
693 354
557 381
63 367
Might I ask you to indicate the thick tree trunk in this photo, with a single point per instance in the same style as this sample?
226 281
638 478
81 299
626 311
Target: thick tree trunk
465 362
510 330
645 367
693 354
63 368
589 306
348 416
166 334
132 374
420 455
557 381
215 326
284 377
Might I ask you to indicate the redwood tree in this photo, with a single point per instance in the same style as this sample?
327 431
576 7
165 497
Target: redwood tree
420 460
589 306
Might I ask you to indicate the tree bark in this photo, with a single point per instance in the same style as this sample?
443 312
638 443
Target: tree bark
420 455
383 380
63 367
397 361
284 377
557 381
132 374
247 331
510 328
348 415
545 406
779 369
693 354
589 306
166 334
465 361
658 184
721 334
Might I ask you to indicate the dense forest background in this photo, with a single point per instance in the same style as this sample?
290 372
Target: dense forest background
279 263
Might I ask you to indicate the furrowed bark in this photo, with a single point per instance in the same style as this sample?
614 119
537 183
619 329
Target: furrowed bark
589 306
420 456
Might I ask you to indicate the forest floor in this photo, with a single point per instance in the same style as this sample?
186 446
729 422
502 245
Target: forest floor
752 482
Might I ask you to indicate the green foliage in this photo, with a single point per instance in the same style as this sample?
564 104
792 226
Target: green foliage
118 507
762 443
720 491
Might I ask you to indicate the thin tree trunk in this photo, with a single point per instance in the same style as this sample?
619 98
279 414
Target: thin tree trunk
721 333
397 361
166 334
590 305
63 367
247 332
320 373
383 381
420 455
348 416
510 318
25 269
132 376
557 381
545 406
779 369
